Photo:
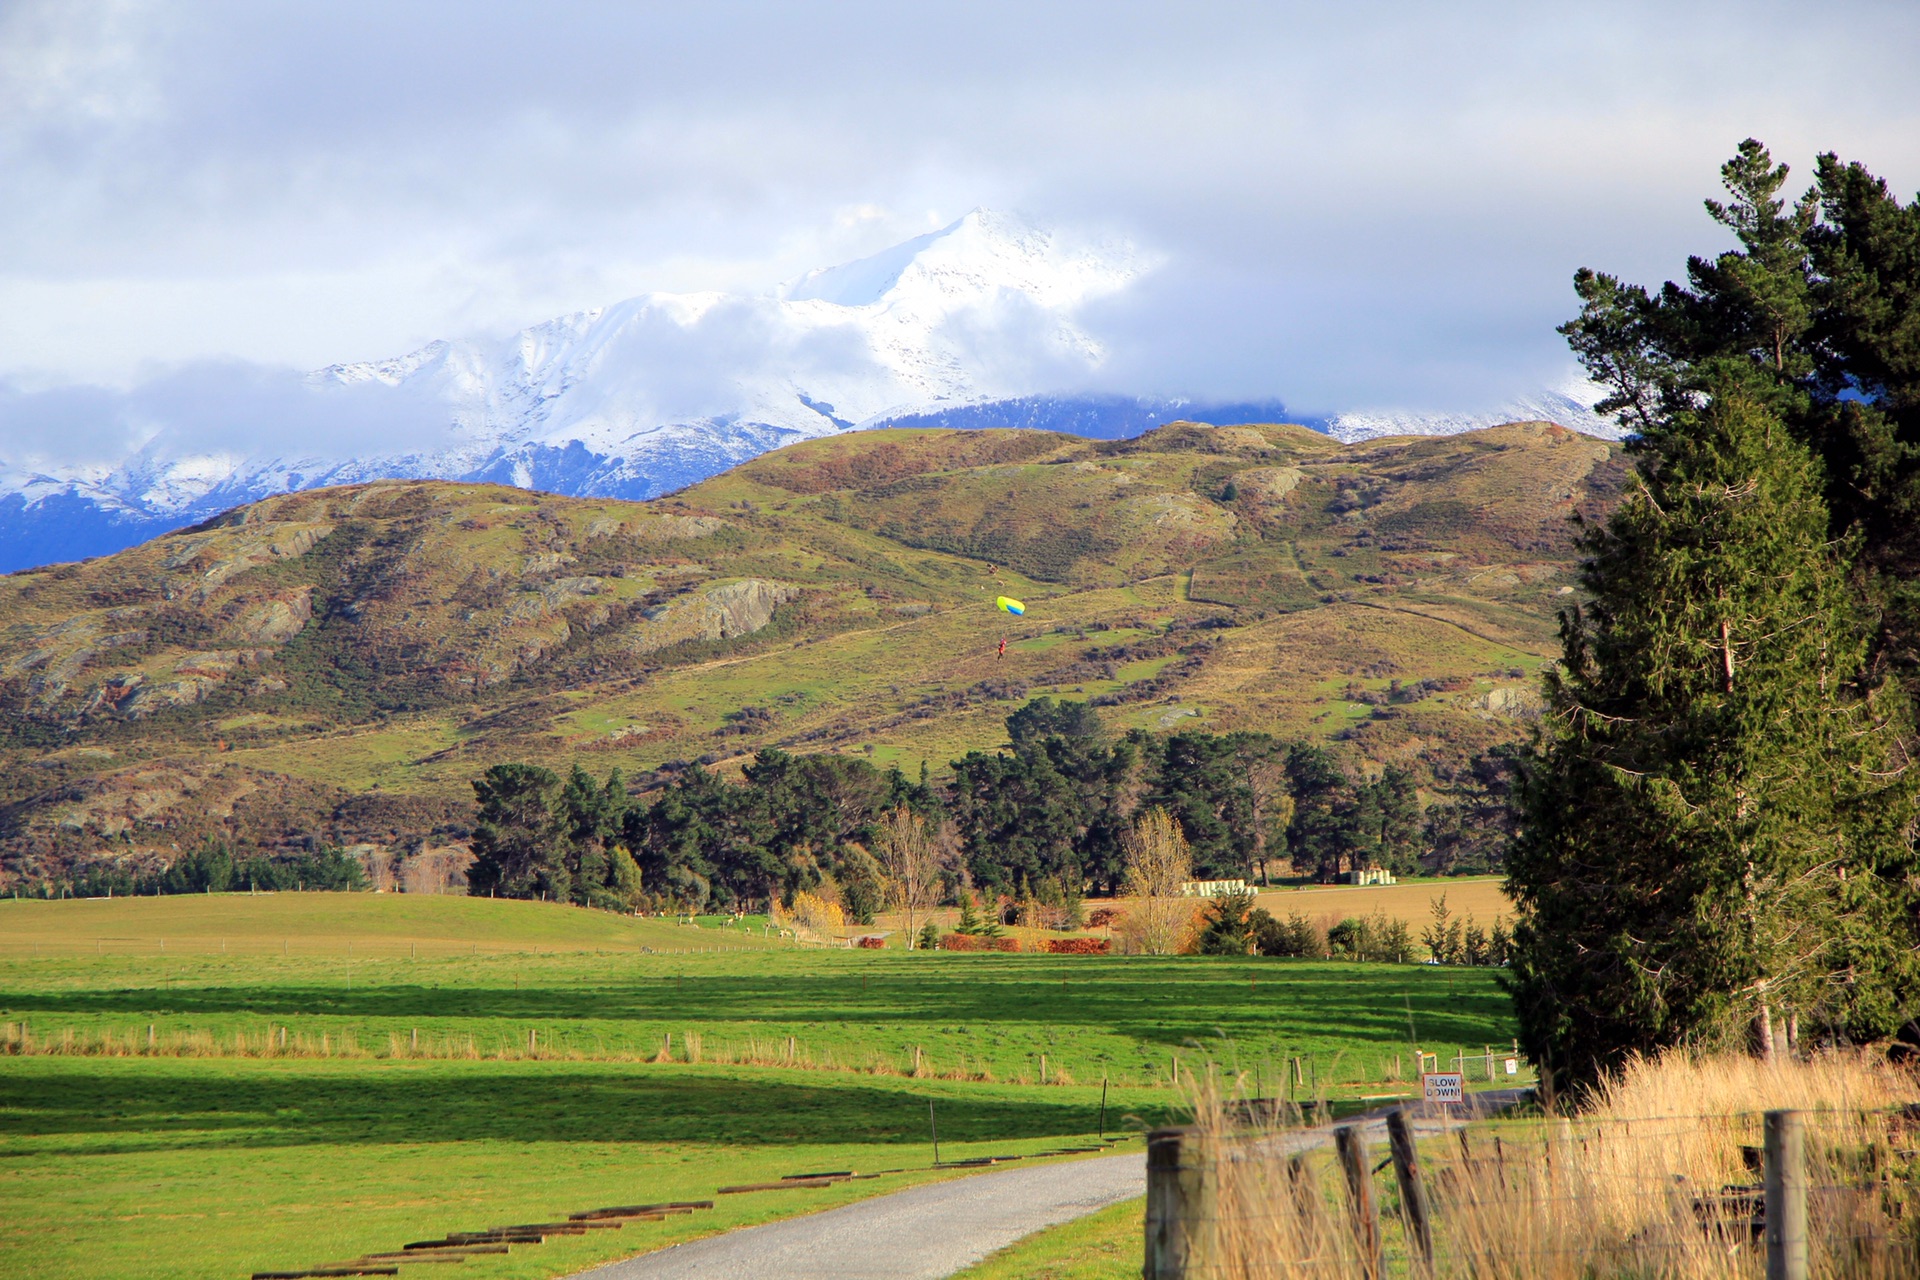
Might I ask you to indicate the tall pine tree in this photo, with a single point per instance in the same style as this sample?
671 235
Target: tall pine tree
1715 830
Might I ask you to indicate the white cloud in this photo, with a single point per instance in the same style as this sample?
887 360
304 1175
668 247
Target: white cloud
1365 203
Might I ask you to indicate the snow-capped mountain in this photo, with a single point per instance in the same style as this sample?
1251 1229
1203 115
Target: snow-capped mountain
970 325
968 313
1570 407
629 400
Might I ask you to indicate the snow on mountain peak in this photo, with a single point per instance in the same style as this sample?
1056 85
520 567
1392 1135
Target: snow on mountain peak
971 258
976 323
1569 406
962 313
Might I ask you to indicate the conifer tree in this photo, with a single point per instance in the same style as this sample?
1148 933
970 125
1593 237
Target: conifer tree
1716 827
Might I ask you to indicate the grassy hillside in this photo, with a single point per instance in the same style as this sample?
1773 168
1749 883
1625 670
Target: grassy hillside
339 663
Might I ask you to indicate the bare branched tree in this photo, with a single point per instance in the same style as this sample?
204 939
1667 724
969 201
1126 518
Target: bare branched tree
910 854
1159 864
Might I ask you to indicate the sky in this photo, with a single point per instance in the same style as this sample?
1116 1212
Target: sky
1353 206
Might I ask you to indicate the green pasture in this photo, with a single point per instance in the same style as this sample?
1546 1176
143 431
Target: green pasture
388 975
454 1064
1107 1245
197 1168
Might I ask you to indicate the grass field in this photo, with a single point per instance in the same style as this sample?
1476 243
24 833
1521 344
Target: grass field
1411 900
1101 1246
327 923
566 1060
217 1167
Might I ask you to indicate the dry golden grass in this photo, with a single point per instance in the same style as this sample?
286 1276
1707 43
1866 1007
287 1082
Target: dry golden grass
1484 897
1660 1177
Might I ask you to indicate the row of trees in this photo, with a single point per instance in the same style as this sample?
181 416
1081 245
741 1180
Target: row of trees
1717 836
1060 801
215 868
1047 818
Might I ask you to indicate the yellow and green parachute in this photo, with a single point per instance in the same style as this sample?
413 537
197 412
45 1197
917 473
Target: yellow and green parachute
1007 604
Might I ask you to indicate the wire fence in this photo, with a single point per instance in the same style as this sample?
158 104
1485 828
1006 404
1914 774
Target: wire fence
1665 1197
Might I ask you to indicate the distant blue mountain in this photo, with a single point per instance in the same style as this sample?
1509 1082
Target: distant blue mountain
1110 417
73 523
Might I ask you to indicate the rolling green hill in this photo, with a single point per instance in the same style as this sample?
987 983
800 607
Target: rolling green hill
338 664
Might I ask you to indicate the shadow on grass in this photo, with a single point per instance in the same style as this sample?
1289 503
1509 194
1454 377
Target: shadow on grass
1155 1002
297 1104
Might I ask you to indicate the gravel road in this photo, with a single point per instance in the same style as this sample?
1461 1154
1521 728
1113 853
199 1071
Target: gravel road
930 1232
923 1233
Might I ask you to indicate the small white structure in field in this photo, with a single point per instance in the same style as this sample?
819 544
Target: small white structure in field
1366 875
1212 888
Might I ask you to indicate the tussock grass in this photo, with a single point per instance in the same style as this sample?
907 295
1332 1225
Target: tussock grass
1658 1178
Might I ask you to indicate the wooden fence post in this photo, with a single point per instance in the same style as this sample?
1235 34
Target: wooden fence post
1560 1154
1366 1210
1786 1190
1413 1191
1180 1206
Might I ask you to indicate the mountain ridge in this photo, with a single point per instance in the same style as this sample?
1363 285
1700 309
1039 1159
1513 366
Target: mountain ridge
644 396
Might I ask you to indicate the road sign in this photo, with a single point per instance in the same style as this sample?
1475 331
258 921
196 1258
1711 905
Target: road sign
1513 1066
1443 1086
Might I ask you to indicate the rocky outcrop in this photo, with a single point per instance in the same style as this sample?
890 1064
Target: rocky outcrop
1513 702
656 528
210 559
720 611
274 620
1269 483
550 598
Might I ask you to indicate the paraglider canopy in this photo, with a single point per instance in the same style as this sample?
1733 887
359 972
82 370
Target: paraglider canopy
1008 604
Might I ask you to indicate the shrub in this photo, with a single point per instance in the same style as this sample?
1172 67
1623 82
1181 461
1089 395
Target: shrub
1294 936
1078 946
975 942
1372 938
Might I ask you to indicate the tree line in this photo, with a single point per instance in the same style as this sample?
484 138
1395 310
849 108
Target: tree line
214 867
1044 819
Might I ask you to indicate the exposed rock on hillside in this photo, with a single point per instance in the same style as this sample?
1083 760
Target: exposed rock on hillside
723 611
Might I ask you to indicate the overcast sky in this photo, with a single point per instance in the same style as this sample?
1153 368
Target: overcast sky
1356 205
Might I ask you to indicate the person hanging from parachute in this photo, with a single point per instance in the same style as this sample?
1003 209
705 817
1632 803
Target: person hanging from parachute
1007 604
